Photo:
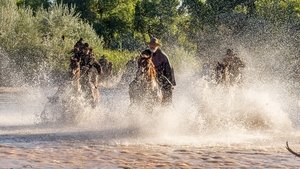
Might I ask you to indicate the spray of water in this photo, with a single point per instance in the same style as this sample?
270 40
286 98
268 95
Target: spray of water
201 111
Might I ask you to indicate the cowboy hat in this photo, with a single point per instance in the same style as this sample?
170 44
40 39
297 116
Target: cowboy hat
155 41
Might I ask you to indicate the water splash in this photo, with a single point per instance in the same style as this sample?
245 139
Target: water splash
265 105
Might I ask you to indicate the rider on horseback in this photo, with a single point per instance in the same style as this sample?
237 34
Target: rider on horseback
79 44
90 69
164 70
232 65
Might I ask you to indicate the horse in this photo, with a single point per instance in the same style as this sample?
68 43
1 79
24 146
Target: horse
145 87
65 104
89 82
75 74
222 74
228 72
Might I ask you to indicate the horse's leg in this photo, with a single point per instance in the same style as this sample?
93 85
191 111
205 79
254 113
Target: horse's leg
75 86
95 96
93 84
218 76
78 87
157 94
132 91
226 77
96 89
167 95
75 81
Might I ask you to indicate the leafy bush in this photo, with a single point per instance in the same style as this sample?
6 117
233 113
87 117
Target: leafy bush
119 58
34 42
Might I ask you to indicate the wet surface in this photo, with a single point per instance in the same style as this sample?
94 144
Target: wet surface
90 154
24 143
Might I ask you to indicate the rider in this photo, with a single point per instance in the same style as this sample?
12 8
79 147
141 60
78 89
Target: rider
109 69
76 54
86 58
103 61
233 63
165 73
104 64
79 44
89 60
92 62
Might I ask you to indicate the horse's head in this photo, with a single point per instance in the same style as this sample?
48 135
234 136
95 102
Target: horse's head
75 67
146 66
145 87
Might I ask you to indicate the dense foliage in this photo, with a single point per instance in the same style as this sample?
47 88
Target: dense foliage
31 30
34 43
129 23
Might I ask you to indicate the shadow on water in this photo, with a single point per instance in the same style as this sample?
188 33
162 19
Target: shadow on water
54 134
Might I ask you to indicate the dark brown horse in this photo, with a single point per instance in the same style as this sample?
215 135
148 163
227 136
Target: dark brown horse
61 105
75 74
85 79
145 88
65 105
222 74
89 82
228 72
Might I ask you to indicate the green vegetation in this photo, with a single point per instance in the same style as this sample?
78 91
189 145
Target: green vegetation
31 30
34 42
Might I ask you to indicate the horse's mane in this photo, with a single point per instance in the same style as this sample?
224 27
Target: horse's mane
151 70
145 86
75 69
145 62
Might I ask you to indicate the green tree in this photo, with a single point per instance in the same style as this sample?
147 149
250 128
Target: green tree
279 10
157 18
86 8
34 4
112 19
33 43
115 22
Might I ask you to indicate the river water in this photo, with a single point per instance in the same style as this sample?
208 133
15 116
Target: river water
205 127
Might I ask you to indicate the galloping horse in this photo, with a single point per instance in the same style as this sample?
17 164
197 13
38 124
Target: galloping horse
222 74
145 88
75 74
62 106
228 72
65 105
89 84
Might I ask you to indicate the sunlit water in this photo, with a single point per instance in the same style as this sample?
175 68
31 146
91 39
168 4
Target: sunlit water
206 127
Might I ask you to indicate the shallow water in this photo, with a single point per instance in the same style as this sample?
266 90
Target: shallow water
92 154
109 138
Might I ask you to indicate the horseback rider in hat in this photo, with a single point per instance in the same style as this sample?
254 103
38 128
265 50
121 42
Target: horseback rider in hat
165 73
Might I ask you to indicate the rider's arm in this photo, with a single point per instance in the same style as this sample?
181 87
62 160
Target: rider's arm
168 71
98 67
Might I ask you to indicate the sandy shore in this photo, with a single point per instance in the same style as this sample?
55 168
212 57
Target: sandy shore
93 155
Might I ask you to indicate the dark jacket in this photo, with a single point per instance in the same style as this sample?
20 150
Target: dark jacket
165 72
89 61
79 44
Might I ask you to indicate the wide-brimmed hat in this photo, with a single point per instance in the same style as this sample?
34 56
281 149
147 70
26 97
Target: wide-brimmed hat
155 41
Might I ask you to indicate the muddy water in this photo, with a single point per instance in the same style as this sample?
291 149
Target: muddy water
25 143
91 154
